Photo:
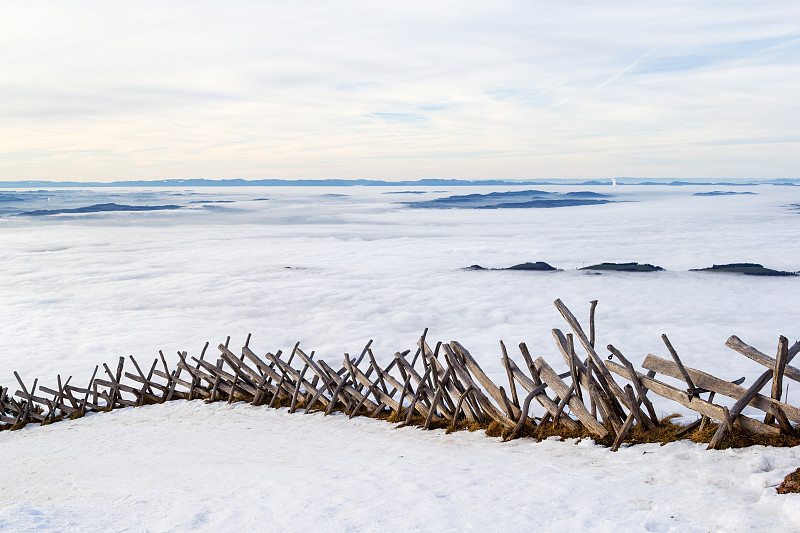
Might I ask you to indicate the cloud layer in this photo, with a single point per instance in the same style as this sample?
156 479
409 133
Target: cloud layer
91 90
78 290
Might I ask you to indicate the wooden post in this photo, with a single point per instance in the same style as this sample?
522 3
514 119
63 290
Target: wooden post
437 396
628 422
526 404
641 391
512 386
414 400
489 386
573 368
692 390
777 377
297 389
458 408
363 353
563 403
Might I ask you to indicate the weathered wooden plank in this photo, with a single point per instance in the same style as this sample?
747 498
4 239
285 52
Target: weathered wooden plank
150 383
388 378
437 397
284 375
319 372
626 427
56 403
740 346
126 388
476 400
348 389
550 377
240 378
600 400
695 403
487 384
298 378
574 374
42 402
141 374
226 378
544 400
384 397
453 391
246 373
183 383
427 393
326 384
345 381
712 383
488 407
563 403
260 364
298 382
526 354
641 391
413 405
511 383
198 375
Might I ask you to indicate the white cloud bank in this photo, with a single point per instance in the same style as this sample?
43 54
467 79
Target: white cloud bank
103 91
79 290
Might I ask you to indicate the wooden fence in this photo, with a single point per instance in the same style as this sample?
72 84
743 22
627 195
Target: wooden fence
442 386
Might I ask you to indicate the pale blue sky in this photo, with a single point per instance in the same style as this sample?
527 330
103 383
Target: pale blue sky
341 89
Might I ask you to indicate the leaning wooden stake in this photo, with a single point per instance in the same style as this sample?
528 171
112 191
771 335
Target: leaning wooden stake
692 390
592 306
511 384
628 422
777 378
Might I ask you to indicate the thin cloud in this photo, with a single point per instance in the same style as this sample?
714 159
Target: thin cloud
252 88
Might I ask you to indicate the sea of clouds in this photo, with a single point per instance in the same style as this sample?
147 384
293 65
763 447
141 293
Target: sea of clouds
335 267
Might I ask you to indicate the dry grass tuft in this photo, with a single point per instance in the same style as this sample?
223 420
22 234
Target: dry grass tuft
667 431
791 483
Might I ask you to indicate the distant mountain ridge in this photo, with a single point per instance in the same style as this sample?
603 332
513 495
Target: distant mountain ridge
426 182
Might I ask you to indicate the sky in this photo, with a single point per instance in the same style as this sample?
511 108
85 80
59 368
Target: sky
101 91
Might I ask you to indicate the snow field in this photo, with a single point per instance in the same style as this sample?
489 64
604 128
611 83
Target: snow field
188 466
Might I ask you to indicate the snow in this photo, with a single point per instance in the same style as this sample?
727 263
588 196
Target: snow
79 290
187 466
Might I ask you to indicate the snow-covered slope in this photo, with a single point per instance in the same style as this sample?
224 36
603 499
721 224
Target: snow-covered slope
187 466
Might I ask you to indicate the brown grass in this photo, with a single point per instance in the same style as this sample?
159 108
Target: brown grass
667 431
791 483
